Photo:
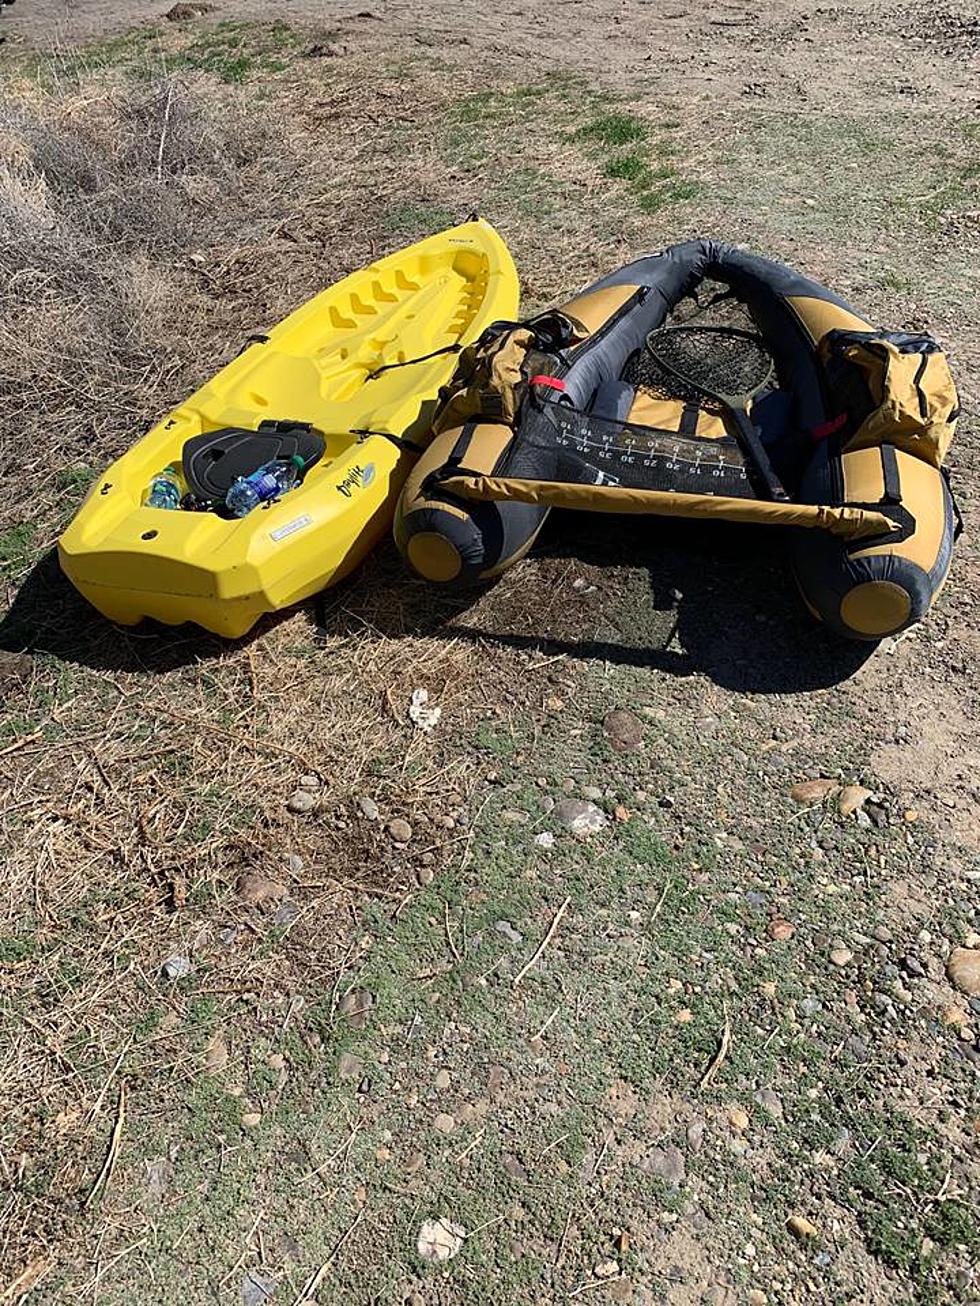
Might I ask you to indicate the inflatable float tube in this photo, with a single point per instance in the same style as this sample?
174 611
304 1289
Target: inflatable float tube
348 383
549 413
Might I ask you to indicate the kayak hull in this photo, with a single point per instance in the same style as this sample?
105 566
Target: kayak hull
336 363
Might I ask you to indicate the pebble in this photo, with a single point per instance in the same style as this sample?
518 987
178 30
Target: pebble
580 818
841 956
912 966
507 930
443 1123
545 839
605 1269
781 930
812 791
852 798
295 863
882 933
250 1119
695 1135
963 969
857 1048
400 830
350 1066
176 968
623 731
801 1228
770 1101
302 801
424 875
442 1080
369 808
356 1005
738 1119
592 793
810 1006
309 782
666 1163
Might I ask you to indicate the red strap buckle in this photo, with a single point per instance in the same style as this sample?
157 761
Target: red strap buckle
825 429
549 382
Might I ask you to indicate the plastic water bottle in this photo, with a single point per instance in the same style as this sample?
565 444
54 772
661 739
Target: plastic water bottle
268 482
165 490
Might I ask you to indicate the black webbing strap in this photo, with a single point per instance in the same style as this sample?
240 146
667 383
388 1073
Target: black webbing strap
409 362
399 441
889 472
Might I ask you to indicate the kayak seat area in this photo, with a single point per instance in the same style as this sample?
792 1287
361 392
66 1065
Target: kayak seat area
213 461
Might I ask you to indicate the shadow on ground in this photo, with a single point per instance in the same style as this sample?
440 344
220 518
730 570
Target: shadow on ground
673 596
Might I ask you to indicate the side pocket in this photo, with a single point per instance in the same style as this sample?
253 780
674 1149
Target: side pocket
890 387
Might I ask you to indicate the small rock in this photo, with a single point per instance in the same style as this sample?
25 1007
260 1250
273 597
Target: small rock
857 1048
514 1167
257 1288
356 1005
442 1080
592 792
695 1135
606 1269
216 1054
276 1061
507 930
444 1123
963 969
424 875
369 808
309 782
285 913
882 933
781 930
159 1177
545 839
738 1119
812 791
258 890
770 1102
413 1163
251 1119
801 1228
810 1006
852 797
302 801
841 956
440 1240
180 13
176 968
913 966
295 863
400 830
666 1163
580 818
623 731
757 1297
350 1066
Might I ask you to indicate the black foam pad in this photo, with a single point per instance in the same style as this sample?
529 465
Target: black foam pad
214 460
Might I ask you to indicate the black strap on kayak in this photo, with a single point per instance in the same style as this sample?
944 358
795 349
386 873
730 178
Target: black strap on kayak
399 441
253 340
423 358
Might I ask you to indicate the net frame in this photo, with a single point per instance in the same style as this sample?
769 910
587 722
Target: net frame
723 364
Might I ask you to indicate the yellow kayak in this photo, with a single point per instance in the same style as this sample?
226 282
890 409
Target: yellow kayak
366 355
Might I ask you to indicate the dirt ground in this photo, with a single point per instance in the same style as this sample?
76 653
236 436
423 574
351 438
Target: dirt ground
739 1071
